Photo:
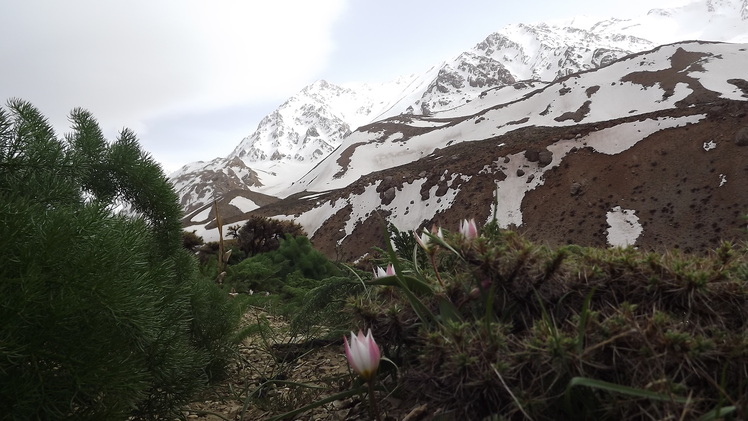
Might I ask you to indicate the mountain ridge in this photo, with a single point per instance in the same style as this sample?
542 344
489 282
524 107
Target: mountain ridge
446 91
608 189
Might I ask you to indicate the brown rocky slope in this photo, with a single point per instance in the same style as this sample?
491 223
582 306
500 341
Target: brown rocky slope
677 160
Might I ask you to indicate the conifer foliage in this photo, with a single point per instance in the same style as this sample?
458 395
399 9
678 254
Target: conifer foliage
261 235
102 315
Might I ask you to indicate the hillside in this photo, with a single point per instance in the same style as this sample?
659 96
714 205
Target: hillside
529 141
565 167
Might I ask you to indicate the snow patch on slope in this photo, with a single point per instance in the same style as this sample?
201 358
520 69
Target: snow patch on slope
243 203
512 190
624 227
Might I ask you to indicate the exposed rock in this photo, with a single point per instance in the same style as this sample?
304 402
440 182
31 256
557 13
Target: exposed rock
575 189
741 137
545 157
387 182
741 84
388 196
532 155
442 189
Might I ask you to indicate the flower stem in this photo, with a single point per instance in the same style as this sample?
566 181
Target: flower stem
373 407
436 270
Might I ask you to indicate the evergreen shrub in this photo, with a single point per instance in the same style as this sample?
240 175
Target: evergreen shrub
102 313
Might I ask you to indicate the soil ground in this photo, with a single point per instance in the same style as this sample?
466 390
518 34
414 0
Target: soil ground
321 364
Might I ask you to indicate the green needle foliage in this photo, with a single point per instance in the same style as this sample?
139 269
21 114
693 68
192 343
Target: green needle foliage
102 315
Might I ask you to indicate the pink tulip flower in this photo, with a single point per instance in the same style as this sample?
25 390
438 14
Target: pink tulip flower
363 354
424 240
469 229
380 273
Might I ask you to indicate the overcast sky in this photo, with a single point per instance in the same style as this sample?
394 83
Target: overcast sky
193 77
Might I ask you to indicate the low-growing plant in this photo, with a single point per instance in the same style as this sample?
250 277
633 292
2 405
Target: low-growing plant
501 327
311 289
261 235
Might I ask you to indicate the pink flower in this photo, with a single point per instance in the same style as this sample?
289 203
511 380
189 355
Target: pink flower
380 273
469 229
363 354
424 240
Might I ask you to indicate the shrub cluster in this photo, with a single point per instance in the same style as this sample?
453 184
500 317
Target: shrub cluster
102 314
260 234
307 288
500 327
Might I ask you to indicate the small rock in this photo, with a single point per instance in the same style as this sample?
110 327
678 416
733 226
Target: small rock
520 172
388 196
417 413
441 189
741 137
545 157
575 189
532 155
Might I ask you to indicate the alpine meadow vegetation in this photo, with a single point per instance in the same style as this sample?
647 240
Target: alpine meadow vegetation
103 314
483 324
106 312
496 327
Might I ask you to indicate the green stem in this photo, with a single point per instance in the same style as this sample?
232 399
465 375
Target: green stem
373 407
337 396
436 271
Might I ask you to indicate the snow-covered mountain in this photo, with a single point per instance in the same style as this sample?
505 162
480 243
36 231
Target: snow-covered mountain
513 67
312 123
651 150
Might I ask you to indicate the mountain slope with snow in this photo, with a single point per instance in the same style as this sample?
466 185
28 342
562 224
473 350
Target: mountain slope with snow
521 73
579 168
582 98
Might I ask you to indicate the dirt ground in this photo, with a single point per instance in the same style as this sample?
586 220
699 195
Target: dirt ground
321 365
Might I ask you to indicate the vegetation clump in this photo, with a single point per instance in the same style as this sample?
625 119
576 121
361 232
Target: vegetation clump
261 235
105 313
305 286
520 330
102 312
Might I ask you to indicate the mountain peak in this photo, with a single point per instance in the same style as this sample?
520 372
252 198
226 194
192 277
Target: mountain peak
503 68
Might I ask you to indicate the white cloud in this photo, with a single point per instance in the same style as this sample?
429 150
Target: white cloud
130 61
261 48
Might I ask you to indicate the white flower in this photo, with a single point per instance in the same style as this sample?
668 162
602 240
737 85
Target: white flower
363 354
